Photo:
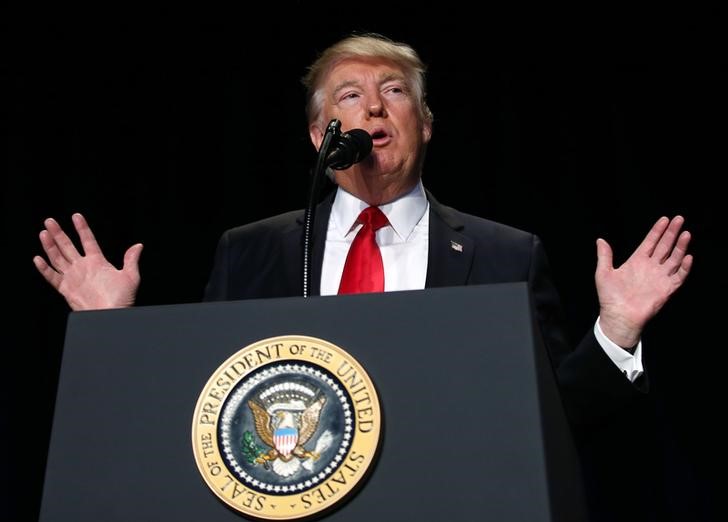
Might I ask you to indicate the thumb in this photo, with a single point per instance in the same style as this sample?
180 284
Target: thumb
131 258
604 256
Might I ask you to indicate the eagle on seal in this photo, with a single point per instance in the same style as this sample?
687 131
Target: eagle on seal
286 432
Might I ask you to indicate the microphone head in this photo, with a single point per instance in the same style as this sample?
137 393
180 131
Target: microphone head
350 147
363 142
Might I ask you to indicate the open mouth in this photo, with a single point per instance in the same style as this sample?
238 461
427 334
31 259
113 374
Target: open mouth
380 137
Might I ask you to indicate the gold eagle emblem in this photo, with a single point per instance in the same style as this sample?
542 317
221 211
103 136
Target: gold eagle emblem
286 432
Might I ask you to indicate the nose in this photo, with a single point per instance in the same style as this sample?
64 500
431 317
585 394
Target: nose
376 109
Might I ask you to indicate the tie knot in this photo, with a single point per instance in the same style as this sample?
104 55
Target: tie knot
372 217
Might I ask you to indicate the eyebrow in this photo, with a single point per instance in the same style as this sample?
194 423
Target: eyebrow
343 85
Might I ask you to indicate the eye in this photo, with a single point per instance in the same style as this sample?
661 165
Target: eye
348 99
351 95
395 90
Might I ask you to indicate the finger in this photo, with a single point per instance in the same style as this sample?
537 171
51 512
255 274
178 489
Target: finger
666 243
131 259
647 247
684 269
604 256
88 240
679 253
51 249
64 243
675 259
50 275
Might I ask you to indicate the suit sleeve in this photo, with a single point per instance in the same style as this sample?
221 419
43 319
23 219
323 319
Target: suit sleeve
593 389
217 284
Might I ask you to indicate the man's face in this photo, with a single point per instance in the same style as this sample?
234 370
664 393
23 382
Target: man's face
373 95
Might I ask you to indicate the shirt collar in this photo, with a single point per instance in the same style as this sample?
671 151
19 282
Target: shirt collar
403 213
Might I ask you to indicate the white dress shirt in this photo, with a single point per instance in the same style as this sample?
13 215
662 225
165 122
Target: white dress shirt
404 244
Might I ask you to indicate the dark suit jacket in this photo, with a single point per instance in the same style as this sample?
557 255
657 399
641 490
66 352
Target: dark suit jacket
264 259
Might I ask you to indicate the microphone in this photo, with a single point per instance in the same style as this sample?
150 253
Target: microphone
338 151
348 148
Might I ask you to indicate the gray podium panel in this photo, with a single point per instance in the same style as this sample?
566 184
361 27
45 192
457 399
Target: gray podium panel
473 427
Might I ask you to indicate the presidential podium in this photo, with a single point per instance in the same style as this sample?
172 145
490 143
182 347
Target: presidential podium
472 424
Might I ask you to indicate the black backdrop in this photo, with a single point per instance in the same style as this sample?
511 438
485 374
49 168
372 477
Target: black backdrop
168 132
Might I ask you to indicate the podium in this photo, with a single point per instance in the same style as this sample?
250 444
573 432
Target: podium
473 427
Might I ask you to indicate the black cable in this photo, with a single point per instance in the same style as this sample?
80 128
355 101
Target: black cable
333 129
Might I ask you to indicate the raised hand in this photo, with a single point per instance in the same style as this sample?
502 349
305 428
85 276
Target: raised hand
86 280
631 295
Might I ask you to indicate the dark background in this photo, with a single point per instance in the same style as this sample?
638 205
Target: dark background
168 130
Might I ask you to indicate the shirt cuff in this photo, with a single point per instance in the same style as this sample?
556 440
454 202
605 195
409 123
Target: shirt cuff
630 364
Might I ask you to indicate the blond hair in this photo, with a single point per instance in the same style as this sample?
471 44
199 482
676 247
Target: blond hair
368 45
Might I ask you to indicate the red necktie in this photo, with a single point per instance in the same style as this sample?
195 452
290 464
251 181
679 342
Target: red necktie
364 270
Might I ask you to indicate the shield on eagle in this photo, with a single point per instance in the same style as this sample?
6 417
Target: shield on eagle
285 440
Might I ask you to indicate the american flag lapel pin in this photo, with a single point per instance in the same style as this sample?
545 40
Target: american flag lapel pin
457 247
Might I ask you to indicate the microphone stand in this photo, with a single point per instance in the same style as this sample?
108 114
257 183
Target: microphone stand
333 129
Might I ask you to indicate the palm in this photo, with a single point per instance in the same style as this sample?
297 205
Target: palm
92 282
630 295
87 281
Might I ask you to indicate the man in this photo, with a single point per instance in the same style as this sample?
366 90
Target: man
375 84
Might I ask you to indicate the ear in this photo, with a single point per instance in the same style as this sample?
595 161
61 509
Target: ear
316 134
426 131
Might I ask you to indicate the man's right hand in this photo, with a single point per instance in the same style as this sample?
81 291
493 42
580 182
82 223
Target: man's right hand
87 281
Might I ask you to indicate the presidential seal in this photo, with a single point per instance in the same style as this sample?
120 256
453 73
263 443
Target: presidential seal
286 428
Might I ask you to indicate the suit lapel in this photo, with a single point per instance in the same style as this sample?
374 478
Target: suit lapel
320 226
293 247
450 252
